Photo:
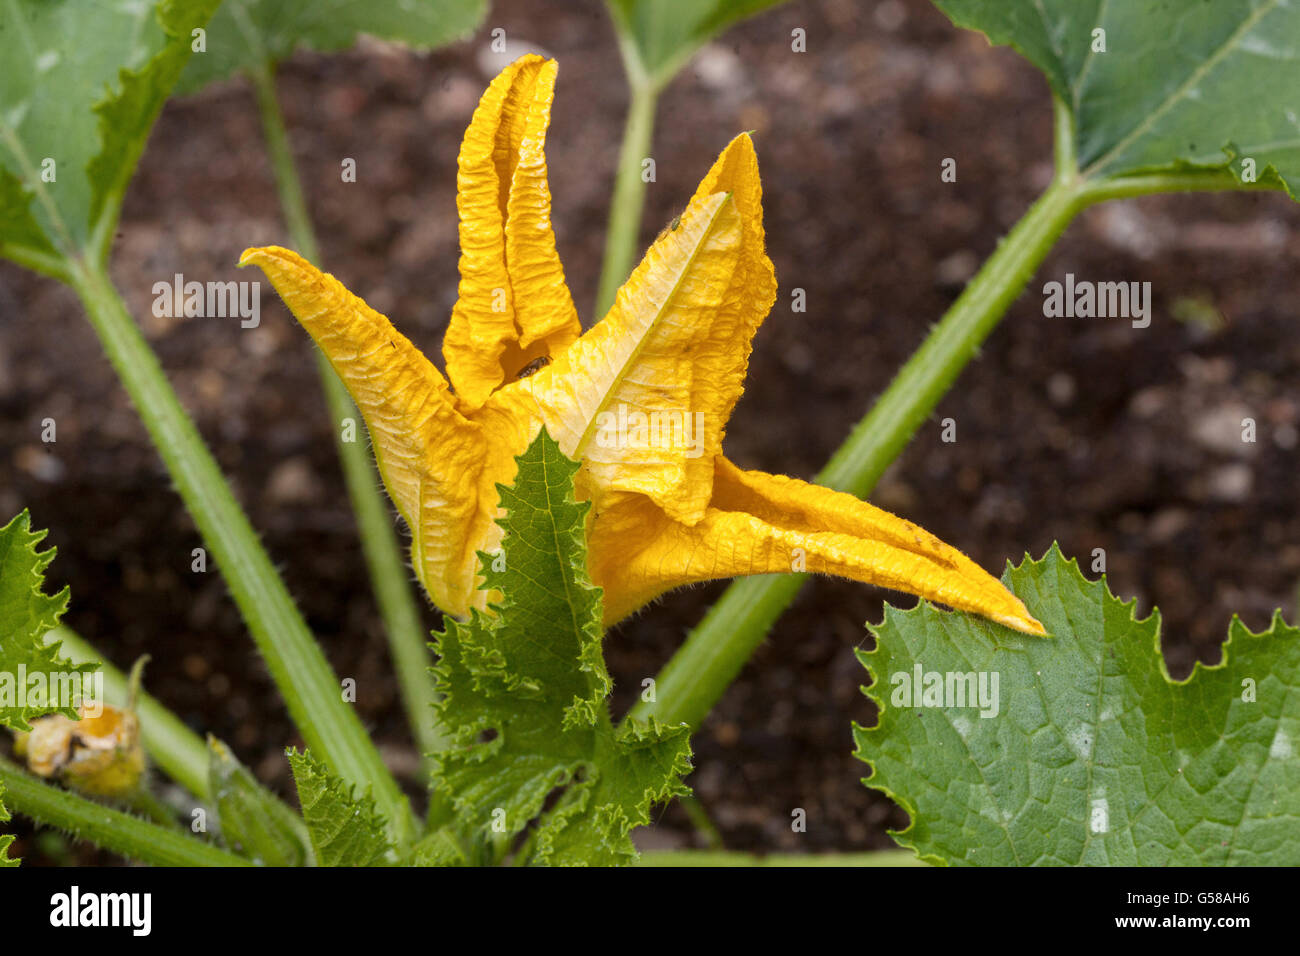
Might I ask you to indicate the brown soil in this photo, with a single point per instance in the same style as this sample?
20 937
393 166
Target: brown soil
1082 430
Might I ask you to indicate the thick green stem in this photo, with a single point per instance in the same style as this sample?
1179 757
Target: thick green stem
310 688
390 579
146 804
108 828
716 650
179 751
629 192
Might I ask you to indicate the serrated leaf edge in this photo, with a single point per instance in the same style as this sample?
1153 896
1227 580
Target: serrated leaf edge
861 733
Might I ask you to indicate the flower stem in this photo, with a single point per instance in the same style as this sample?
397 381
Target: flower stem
390 579
310 688
108 828
629 191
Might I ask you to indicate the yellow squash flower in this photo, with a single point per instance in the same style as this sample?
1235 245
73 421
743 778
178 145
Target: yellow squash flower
641 399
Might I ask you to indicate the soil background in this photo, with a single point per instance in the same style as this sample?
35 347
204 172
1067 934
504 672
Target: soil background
1086 431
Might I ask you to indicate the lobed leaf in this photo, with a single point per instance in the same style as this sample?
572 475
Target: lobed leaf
345 830
82 85
1094 756
525 692
1179 84
26 614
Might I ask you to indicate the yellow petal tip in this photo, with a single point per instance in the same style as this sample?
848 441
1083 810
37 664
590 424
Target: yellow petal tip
255 255
1024 623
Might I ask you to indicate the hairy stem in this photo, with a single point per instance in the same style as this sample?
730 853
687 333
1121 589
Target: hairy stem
108 828
310 688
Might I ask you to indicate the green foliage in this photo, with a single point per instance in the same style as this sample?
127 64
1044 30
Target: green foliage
253 821
27 613
109 828
345 830
1179 84
5 838
1094 756
525 692
247 34
82 85
664 33
439 848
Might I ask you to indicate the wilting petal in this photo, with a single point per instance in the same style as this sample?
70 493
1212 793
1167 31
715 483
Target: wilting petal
722 362
514 305
429 455
643 398
636 364
761 524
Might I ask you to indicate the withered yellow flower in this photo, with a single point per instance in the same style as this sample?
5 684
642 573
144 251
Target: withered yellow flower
642 399
100 754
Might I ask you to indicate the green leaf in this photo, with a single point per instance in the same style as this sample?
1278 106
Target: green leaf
1094 756
5 838
345 830
1179 84
525 692
83 82
26 614
253 821
664 33
33 677
249 34
730 858
439 848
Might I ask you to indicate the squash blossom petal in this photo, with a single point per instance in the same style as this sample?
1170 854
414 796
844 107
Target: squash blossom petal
641 399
